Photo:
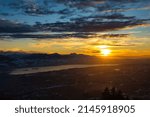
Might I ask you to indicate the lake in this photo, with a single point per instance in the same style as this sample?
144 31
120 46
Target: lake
31 70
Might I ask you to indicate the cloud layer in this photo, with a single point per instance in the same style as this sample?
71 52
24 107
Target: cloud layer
81 18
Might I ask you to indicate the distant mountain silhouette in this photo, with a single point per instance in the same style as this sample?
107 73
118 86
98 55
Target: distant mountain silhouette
22 59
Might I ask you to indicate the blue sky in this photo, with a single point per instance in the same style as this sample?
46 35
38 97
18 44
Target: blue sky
31 11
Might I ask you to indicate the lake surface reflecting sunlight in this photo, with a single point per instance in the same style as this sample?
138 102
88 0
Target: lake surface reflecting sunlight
22 71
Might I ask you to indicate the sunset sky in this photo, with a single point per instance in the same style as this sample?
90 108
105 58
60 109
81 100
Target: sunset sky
92 27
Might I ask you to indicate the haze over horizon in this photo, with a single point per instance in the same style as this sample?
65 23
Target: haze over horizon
109 28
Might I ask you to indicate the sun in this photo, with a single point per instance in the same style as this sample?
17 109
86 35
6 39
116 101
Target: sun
105 51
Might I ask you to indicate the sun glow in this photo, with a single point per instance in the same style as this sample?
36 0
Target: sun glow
104 50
